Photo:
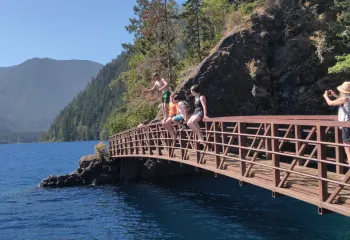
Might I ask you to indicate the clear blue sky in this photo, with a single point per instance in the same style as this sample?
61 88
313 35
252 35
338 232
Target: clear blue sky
63 29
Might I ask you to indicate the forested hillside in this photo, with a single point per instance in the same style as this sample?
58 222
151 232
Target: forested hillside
250 55
85 116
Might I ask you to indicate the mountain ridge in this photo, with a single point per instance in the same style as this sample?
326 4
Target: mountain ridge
33 92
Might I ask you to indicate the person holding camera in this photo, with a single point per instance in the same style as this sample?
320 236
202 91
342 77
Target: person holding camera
343 103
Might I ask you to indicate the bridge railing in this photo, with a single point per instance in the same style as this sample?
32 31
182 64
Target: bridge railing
291 149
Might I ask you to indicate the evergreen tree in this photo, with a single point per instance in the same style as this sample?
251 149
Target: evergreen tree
194 20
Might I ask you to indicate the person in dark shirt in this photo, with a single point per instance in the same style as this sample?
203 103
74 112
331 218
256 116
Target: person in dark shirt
200 112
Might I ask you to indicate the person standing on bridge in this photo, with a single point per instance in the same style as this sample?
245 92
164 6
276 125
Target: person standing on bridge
200 112
343 103
162 86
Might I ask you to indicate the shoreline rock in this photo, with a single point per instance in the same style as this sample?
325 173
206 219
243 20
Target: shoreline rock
94 171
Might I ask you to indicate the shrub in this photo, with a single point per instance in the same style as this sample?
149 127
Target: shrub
320 42
102 151
246 9
132 116
342 66
251 65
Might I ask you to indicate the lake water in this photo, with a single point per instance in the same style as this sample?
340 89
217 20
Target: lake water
178 208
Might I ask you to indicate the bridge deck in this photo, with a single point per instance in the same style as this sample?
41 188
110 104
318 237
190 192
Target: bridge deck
279 158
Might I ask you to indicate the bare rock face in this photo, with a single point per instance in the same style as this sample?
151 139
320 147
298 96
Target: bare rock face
288 76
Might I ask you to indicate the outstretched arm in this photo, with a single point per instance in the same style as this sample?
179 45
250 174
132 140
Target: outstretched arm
151 89
204 104
336 102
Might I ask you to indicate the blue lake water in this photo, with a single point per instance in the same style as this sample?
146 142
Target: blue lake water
178 208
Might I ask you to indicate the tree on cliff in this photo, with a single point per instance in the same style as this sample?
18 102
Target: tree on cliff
156 31
194 26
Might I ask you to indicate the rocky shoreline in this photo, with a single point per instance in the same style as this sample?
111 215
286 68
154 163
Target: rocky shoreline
94 170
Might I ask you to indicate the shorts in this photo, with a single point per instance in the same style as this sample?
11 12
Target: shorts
166 97
199 113
178 118
345 132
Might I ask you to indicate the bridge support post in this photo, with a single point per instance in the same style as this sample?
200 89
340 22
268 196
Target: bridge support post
125 145
297 134
131 144
182 145
149 136
142 143
321 167
339 154
111 148
242 152
157 141
275 156
197 147
267 143
137 144
216 148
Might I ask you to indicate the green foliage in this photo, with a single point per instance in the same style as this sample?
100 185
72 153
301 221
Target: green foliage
248 7
134 115
216 11
342 66
343 19
196 25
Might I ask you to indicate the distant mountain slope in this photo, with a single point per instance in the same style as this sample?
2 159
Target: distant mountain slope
33 92
84 117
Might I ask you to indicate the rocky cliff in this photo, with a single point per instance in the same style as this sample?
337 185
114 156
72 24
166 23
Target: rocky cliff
93 170
267 65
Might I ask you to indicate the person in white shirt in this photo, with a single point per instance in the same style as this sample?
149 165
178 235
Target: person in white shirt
343 103
162 86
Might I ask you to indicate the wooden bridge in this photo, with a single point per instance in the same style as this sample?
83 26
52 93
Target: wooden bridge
297 156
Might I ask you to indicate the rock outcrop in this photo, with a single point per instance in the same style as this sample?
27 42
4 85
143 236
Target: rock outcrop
94 171
288 76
